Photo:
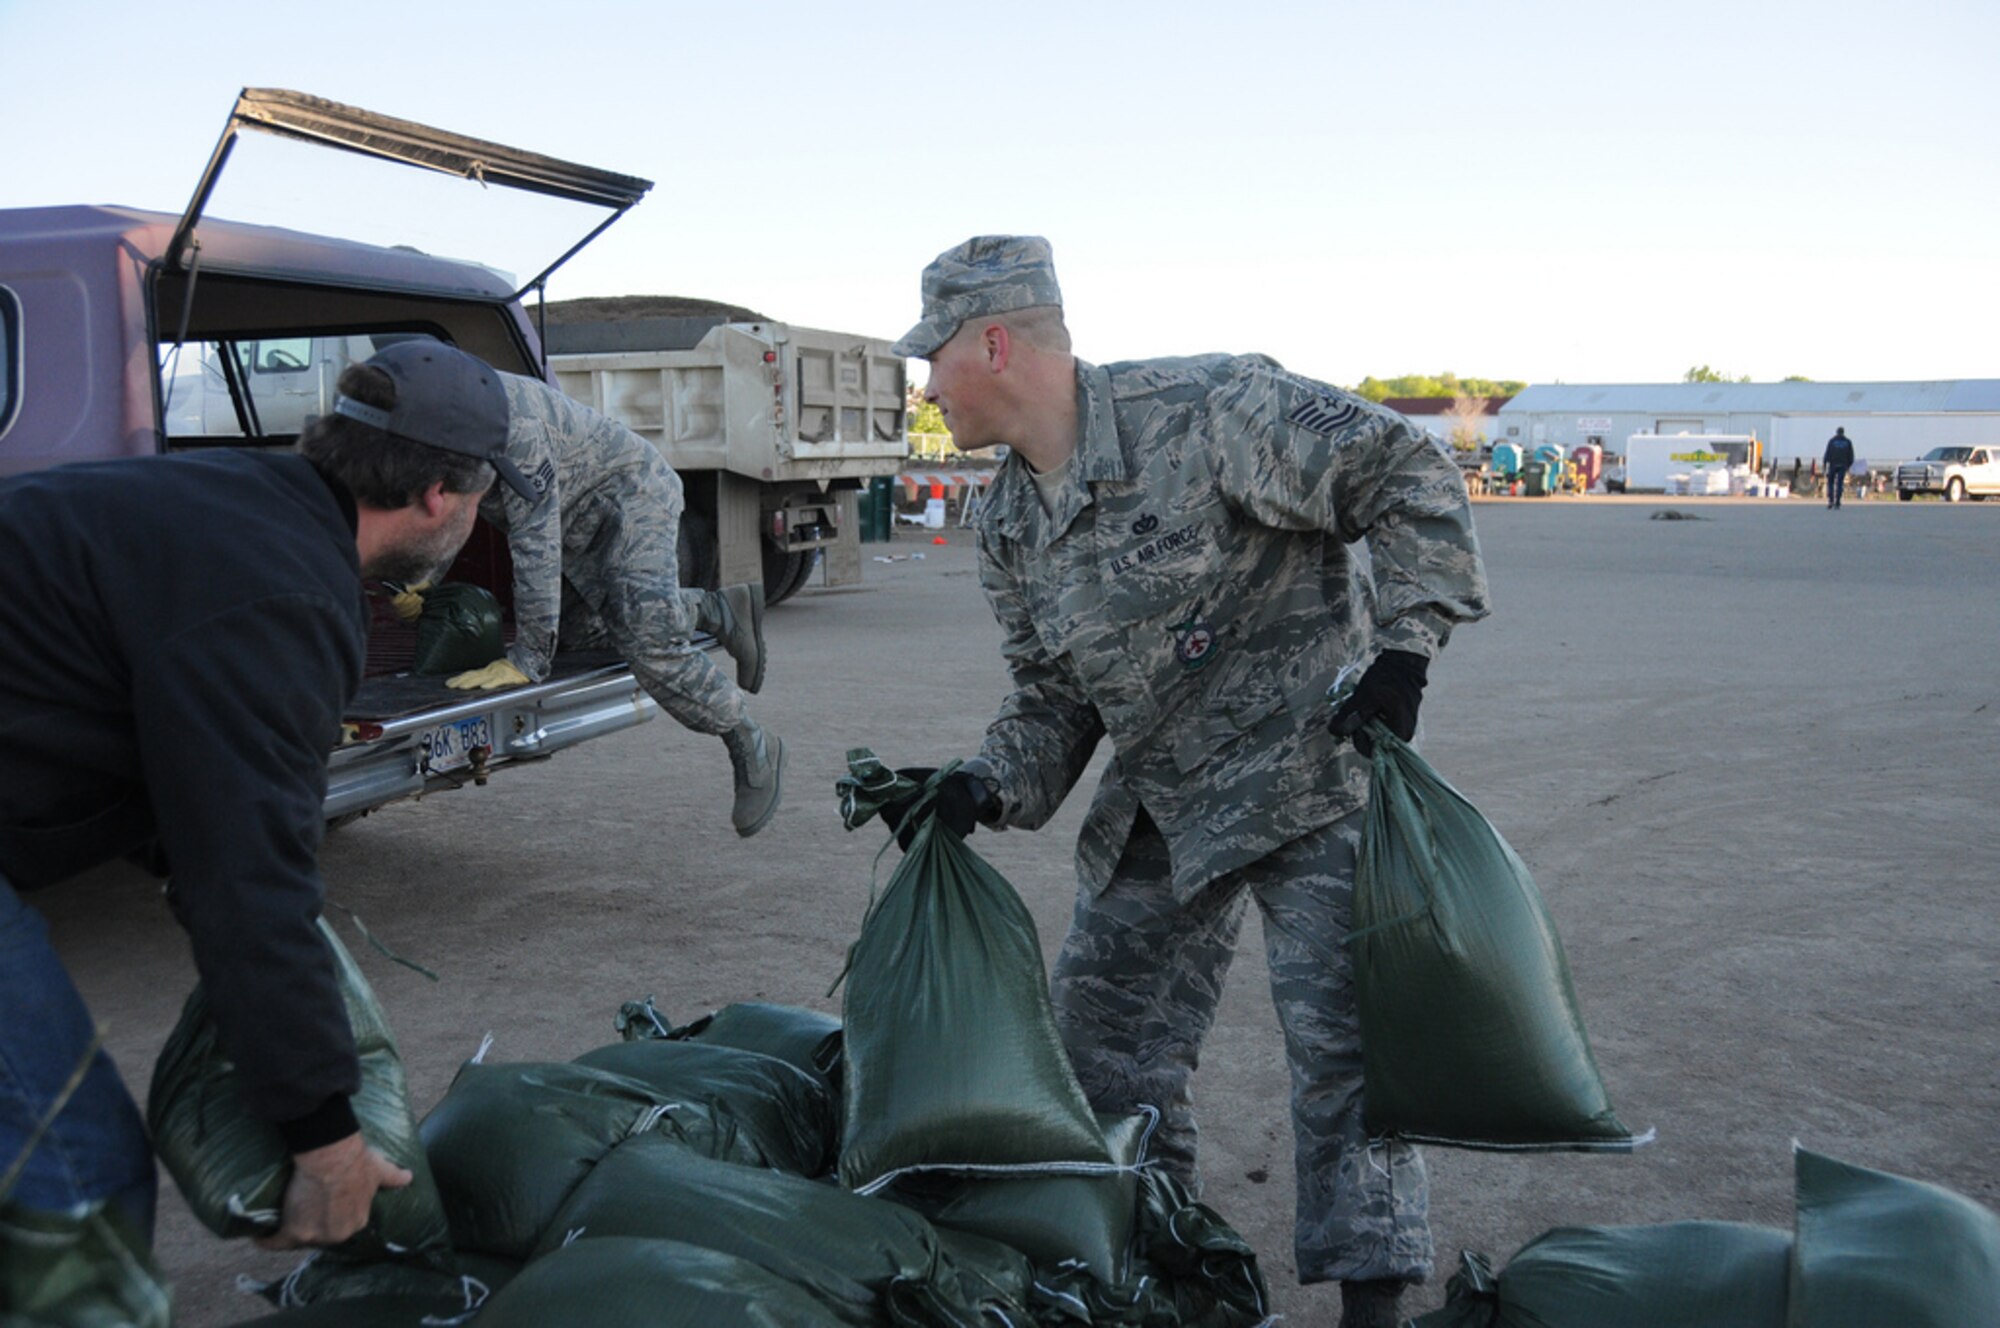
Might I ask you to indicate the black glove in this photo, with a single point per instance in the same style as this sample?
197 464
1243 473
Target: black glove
1391 690
962 802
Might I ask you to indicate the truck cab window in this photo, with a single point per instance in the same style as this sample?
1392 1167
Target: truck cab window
293 355
10 357
250 390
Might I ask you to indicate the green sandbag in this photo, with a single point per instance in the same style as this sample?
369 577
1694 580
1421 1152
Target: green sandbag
1048 1218
785 1113
1470 1034
1875 1249
953 1060
1191 1270
233 1168
989 1273
324 1276
78 1269
1674 1275
382 1311
848 1250
625 1282
508 1144
459 630
808 1040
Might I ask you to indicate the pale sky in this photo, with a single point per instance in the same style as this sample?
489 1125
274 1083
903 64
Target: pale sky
1575 192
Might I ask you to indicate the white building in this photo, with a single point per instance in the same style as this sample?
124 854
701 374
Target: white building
1888 422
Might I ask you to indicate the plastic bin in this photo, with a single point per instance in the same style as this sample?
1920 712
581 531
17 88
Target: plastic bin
876 506
1535 479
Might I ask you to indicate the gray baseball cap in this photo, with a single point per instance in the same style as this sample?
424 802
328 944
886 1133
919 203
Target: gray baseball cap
988 274
444 399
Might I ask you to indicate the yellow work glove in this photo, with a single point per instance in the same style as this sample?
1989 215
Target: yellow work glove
500 673
409 601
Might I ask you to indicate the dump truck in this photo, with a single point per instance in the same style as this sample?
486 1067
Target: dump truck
112 320
774 429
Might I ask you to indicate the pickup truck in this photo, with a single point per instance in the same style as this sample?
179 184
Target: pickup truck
1956 472
773 429
109 316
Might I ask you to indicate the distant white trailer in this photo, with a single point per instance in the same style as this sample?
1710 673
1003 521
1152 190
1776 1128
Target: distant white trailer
1651 457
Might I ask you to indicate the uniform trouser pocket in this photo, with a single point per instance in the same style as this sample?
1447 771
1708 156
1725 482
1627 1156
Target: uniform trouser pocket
1135 990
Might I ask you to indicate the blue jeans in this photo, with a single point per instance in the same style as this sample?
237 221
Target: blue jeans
96 1148
1836 484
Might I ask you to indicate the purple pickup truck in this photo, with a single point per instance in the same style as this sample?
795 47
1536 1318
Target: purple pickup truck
130 333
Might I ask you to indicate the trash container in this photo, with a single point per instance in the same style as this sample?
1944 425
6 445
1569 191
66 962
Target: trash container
877 510
1535 479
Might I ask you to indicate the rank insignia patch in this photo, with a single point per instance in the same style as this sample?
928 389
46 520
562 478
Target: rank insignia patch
1323 415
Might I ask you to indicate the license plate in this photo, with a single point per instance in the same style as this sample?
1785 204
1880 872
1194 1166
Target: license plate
449 746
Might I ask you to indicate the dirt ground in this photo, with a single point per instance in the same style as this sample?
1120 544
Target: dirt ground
1751 760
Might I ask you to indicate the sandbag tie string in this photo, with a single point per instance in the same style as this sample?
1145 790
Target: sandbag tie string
380 948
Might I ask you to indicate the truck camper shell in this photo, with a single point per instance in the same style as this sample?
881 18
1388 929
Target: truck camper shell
109 314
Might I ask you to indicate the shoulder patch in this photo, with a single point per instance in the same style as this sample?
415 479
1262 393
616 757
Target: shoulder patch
544 476
1323 414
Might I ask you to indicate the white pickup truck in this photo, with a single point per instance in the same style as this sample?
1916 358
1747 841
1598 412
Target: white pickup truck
111 317
1956 472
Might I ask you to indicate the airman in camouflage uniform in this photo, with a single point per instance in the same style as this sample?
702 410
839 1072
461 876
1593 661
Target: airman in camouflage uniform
1168 550
596 560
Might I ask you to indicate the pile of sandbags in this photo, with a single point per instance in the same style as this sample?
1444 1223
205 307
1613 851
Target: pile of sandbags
1868 1250
928 1160
684 1176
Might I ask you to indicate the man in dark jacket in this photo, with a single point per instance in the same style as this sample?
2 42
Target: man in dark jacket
178 638
1839 456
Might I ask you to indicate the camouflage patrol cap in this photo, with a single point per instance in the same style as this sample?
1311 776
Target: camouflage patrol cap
988 274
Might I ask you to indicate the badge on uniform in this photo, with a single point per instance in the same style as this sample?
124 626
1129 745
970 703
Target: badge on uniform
1194 641
544 476
1323 414
1319 409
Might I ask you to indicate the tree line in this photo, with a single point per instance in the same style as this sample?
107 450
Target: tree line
1445 385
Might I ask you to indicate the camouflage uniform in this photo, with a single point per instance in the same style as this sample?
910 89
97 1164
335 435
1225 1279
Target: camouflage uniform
598 556
1191 592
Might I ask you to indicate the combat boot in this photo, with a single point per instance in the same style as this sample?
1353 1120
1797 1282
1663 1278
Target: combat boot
734 615
759 762
1371 1304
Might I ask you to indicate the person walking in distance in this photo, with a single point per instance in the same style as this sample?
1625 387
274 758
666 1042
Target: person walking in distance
1838 458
